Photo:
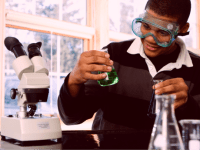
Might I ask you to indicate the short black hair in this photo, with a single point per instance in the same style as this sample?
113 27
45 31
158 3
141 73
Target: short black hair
179 9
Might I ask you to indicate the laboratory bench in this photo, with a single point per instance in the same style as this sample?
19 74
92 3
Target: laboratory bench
90 139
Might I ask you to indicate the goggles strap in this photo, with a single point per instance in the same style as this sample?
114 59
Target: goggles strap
183 34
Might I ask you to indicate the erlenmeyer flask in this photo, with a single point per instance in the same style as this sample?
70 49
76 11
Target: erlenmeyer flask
111 77
165 134
191 134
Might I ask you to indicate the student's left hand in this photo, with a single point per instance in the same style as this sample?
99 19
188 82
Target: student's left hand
177 87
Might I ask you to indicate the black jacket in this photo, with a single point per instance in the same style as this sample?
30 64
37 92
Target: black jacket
125 104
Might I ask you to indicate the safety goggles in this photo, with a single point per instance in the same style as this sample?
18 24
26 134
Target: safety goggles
163 32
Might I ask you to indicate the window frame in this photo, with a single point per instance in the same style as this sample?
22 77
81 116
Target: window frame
2 35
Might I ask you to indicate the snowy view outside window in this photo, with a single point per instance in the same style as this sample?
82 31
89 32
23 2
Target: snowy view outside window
60 53
191 39
66 10
122 13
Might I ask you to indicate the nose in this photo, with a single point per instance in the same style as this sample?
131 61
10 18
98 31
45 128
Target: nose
150 39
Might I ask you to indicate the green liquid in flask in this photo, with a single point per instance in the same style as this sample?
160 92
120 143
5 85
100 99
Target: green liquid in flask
111 78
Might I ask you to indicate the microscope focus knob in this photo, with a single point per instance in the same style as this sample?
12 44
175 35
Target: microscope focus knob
13 93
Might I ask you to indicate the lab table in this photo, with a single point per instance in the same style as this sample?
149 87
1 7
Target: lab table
90 139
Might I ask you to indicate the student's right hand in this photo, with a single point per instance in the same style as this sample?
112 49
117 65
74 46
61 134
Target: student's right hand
90 61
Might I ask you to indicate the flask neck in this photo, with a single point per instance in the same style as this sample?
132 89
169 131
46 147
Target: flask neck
167 109
166 104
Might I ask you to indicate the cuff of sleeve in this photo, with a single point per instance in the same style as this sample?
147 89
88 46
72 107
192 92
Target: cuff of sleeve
68 105
67 90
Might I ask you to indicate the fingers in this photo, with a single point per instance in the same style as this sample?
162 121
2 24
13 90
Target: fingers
95 67
91 61
96 57
171 86
95 53
89 76
98 60
169 82
167 89
177 87
165 83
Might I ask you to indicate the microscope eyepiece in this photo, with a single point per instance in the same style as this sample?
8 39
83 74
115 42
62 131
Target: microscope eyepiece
14 46
34 49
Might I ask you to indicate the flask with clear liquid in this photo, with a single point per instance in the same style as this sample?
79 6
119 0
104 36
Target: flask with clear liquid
165 134
111 77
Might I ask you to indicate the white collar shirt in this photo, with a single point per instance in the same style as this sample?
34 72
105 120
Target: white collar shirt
183 57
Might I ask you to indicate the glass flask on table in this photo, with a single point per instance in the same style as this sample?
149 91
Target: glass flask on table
111 77
191 134
165 133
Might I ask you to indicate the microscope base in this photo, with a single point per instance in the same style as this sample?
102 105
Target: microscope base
12 145
31 129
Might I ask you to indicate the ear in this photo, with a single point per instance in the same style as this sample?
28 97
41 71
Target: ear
184 28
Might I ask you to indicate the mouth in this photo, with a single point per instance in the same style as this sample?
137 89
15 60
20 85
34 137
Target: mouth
152 48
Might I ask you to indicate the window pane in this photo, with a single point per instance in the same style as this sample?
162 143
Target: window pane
70 51
191 39
66 10
122 13
75 11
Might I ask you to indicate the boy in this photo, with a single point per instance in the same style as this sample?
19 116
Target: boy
157 53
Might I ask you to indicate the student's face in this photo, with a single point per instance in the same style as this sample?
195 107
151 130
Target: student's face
151 49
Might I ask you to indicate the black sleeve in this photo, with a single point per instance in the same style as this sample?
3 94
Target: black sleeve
91 96
77 110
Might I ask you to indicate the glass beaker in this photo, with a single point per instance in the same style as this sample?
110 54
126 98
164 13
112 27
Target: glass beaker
111 77
191 134
153 105
165 133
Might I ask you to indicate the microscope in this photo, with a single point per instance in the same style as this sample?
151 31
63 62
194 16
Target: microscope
33 88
